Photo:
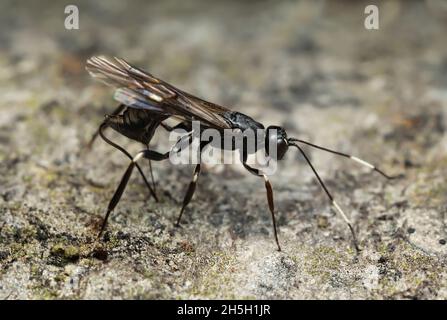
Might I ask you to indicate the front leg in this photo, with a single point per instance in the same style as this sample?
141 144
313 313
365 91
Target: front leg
269 190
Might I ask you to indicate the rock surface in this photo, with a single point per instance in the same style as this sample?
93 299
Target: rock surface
309 66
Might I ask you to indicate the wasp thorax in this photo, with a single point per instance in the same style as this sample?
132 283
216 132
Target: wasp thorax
276 144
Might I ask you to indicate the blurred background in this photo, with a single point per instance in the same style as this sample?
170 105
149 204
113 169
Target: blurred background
310 66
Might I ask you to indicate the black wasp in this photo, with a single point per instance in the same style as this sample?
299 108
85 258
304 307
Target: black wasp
146 102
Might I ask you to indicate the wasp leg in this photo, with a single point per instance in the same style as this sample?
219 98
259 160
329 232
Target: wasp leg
192 185
181 125
101 129
189 193
269 190
154 186
148 154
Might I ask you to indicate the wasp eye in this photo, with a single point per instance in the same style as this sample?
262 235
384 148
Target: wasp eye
276 144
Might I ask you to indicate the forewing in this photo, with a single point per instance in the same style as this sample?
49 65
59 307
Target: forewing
133 99
139 89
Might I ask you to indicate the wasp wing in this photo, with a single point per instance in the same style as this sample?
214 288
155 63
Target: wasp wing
132 99
140 89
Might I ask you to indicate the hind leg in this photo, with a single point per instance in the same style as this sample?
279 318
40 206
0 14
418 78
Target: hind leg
116 146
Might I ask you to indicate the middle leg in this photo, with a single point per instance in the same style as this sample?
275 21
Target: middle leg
192 184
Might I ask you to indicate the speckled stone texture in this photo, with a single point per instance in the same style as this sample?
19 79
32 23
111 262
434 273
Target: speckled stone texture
309 66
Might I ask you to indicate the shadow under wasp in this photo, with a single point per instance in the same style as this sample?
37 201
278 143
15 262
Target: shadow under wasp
146 102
